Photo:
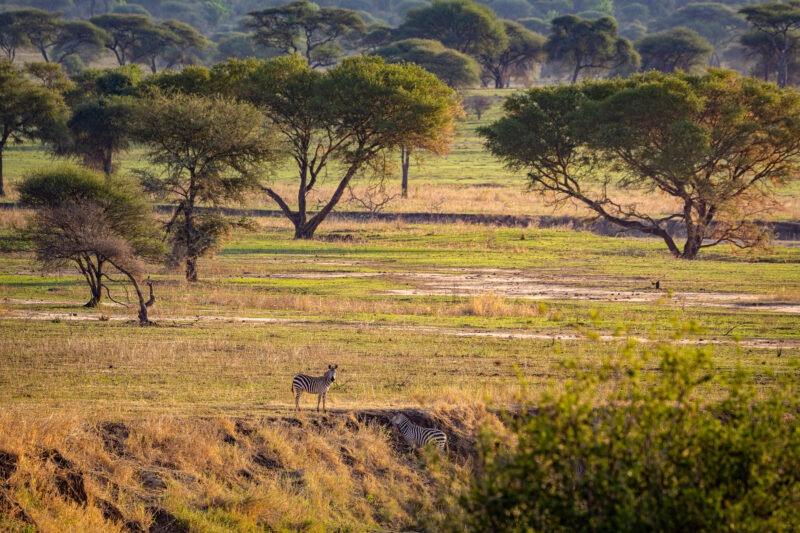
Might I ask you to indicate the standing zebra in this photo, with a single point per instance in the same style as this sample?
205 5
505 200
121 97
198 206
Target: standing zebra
314 385
417 435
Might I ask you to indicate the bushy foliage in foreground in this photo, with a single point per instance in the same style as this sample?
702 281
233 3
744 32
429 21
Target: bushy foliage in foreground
654 457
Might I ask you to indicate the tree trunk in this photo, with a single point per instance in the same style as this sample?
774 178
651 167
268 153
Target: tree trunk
783 68
695 228
191 268
143 319
304 231
142 315
646 227
405 162
108 166
694 240
96 291
575 73
94 277
2 188
191 241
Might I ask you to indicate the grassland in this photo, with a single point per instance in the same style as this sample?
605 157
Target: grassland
190 422
408 312
189 425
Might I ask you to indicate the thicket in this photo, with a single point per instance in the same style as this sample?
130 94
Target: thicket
636 446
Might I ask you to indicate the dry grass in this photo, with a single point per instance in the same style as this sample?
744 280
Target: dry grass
509 197
13 219
219 474
228 301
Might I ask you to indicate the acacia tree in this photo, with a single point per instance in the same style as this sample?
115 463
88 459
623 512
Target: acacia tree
210 150
454 68
49 75
779 23
759 49
102 116
41 28
169 41
467 26
304 28
478 104
449 65
27 110
524 49
345 119
716 144
125 33
77 38
12 34
101 225
585 46
675 49
718 23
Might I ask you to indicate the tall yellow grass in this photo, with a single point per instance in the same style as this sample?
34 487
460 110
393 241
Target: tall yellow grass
340 472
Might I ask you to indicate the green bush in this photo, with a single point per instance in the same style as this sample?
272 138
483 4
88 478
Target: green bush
640 446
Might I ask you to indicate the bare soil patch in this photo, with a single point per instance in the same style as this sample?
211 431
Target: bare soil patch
515 284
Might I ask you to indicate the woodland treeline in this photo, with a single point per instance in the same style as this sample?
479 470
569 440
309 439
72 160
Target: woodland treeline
494 43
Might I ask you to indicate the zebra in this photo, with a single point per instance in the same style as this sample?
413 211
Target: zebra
418 436
314 385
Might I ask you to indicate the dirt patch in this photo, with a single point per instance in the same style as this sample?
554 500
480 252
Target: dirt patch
512 284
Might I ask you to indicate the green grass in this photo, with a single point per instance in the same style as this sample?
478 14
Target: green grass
268 306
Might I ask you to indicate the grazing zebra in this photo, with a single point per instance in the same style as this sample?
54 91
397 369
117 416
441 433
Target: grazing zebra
418 436
314 385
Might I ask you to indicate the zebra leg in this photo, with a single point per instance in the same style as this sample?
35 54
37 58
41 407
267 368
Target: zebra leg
324 395
319 398
297 401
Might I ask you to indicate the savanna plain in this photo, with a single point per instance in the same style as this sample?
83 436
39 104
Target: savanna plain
189 425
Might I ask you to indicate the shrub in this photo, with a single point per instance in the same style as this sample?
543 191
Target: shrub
655 455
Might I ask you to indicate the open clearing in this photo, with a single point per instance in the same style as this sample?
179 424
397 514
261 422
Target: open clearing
412 313
475 283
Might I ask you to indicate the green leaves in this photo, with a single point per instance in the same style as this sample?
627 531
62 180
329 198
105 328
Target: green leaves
351 114
304 28
464 25
713 143
651 455
211 149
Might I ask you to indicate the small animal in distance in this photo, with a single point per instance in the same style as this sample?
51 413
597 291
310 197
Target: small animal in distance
318 385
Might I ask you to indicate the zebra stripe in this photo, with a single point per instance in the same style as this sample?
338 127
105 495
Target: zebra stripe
418 436
318 385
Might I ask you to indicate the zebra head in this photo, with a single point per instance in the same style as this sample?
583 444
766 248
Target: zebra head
399 418
330 375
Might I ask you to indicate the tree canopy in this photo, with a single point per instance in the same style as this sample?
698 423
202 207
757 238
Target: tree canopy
209 150
27 111
717 23
777 22
523 49
714 145
449 65
674 49
101 225
585 46
342 120
304 28
464 25
102 106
